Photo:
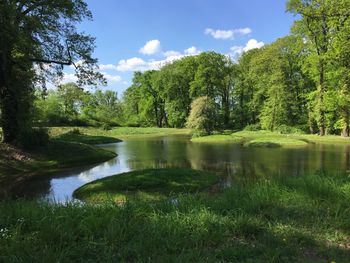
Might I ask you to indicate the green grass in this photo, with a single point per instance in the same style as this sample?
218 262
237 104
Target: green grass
217 138
87 139
122 132
149 184
17 165
253 139
293 219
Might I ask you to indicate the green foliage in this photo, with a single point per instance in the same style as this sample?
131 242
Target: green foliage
36 39
252 127
33 138
202 115
285 129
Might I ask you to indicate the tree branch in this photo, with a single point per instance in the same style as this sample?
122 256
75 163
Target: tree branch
48 61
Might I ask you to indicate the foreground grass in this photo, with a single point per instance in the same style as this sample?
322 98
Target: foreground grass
122 132
149 184
269 139
270 220
18 165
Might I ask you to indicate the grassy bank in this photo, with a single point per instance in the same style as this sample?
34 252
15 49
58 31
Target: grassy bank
122 132
269 139
270 220
17 165
150 184
75 135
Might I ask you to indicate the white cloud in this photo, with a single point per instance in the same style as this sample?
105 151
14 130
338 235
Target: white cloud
192 51
251 44
111 78
138 64
171 53
132 64
243 31
219 34
69 77
227 34
151 47
107 67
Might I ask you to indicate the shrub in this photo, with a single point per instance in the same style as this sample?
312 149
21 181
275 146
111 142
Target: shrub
253 127
285 129
202 115
75 131
34 137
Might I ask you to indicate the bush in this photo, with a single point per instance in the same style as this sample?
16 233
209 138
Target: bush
253 127
75 131
285 129
34 137
202 115
106 127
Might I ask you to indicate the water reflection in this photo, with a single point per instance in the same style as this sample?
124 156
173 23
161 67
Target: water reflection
229 161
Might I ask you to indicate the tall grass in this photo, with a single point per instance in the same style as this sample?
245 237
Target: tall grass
271 220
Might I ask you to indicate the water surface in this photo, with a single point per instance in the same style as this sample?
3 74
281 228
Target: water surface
229 161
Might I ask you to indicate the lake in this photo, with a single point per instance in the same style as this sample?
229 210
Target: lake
229 161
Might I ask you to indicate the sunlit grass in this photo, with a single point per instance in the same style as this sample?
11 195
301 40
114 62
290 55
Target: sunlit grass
122 132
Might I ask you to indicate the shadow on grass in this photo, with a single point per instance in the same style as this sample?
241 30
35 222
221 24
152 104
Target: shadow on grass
84 138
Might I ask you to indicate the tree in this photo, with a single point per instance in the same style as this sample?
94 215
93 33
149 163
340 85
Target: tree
202 115
103 107
213 79
174 82
37 38
321 21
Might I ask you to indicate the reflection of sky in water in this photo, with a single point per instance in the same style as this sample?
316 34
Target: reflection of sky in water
226 160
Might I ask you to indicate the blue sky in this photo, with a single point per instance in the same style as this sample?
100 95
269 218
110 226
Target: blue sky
139 35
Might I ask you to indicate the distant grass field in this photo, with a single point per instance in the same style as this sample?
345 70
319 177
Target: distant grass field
269 139
122 132
290 219
150 184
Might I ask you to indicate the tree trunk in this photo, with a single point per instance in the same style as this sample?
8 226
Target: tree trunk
226 108
8 102
9 115
345 131
322 118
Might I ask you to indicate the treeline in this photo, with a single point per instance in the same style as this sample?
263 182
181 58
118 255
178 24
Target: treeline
70 104
300 81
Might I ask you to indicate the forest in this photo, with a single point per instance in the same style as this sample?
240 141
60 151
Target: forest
300 82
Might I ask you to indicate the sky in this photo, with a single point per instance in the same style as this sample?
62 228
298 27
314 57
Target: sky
137 35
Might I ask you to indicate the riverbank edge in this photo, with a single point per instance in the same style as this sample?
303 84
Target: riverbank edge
270 139
34 164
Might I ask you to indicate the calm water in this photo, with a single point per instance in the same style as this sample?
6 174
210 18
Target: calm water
227 160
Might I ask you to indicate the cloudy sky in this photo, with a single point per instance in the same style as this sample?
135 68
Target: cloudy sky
137 35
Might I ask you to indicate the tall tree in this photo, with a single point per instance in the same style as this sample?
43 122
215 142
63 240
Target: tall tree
320 21
37 38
